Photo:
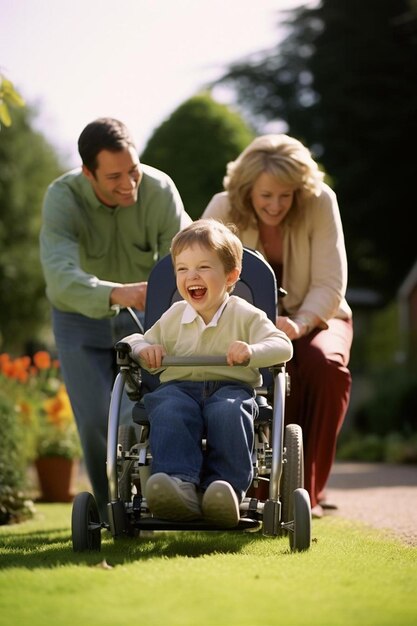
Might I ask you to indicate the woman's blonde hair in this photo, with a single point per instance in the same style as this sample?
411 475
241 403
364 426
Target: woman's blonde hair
214 235
285 158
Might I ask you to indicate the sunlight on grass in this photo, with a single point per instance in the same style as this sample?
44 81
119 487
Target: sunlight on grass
351 575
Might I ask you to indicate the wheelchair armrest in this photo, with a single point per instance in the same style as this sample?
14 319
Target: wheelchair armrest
195 361
123 347
124 353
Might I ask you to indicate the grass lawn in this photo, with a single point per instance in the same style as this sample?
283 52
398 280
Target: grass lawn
350 576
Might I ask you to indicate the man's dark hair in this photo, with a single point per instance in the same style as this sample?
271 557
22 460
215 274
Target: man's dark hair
105 133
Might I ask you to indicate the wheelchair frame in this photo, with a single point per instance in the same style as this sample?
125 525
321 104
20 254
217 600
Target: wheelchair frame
277 455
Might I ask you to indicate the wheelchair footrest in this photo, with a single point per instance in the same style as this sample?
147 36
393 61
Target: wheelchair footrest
153 523
117 518
272 518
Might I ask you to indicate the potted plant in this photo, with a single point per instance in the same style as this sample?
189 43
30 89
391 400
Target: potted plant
49 430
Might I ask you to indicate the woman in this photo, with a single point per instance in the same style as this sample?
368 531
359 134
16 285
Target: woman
275 195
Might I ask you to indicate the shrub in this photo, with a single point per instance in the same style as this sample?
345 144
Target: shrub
14 505
392 406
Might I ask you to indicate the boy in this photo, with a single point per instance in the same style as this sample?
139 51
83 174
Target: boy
217 402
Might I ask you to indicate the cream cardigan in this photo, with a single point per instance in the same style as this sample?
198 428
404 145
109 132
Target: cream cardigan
314 255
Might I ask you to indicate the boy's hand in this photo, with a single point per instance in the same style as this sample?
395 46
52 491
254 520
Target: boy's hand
152 356
239 353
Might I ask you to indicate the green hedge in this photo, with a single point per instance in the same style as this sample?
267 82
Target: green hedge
14 505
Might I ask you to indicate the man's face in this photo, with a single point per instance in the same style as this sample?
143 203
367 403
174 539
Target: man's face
117 177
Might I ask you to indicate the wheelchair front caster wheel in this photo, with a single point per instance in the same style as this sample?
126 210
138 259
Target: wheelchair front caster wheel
85 524
300 538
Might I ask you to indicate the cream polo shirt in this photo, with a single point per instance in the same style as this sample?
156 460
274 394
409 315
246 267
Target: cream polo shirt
191 314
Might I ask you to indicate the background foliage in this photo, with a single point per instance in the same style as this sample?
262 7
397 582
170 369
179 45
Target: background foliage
14 505
27 165
344 81
194 145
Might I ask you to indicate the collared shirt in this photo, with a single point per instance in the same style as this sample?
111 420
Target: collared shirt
237 320
88 248
191 314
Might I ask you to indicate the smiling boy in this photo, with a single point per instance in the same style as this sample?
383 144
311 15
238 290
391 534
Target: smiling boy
216 403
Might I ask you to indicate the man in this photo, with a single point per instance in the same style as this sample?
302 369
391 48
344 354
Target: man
104 226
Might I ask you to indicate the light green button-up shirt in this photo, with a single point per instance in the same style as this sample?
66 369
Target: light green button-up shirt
87 248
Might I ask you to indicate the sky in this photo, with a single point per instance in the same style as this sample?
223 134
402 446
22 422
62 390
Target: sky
136 60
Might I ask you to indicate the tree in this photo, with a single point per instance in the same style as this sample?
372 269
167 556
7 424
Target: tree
27 165
344 80
194 145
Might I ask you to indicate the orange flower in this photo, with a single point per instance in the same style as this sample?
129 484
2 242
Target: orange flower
58 409
16 368
42 360
4 360
20 369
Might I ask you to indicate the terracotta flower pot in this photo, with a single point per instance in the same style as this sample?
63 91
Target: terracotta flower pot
57 476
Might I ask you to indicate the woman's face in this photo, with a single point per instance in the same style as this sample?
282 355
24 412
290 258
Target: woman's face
271 199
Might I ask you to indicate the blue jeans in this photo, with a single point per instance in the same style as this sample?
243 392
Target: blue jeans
88 364
182 413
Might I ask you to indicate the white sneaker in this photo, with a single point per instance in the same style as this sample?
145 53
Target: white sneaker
170 498
220 504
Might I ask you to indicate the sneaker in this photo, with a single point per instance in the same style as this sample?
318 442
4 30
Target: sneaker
220 504
171 498
317 511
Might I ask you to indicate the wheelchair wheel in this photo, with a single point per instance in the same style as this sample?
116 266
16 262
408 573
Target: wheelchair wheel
126 439
293 469
300 538
85 524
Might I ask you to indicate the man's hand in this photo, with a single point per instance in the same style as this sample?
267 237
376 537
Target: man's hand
239 353
130 295
152 356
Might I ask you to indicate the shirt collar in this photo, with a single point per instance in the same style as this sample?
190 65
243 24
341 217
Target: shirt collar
92 199
88 193
190 314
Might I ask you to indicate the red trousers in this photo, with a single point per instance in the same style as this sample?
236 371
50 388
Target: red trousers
319 398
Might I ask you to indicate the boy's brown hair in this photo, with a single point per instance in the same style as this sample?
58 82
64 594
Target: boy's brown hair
214 235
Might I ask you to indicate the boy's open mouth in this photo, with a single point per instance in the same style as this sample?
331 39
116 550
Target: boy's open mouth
197 292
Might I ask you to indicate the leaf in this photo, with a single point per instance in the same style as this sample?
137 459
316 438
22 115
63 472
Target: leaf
104 565
9 93
5 115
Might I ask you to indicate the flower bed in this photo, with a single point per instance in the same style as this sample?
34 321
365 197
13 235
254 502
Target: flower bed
42 405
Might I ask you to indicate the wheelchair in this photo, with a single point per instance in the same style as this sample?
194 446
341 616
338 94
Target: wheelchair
276 503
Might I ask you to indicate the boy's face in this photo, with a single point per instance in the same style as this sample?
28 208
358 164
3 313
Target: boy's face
202 280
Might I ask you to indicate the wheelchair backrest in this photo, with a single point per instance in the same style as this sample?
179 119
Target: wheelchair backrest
257 285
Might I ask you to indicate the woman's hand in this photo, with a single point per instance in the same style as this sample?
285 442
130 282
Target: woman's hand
239 353
293 328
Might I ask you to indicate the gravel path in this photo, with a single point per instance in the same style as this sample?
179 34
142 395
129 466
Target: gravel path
381 495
